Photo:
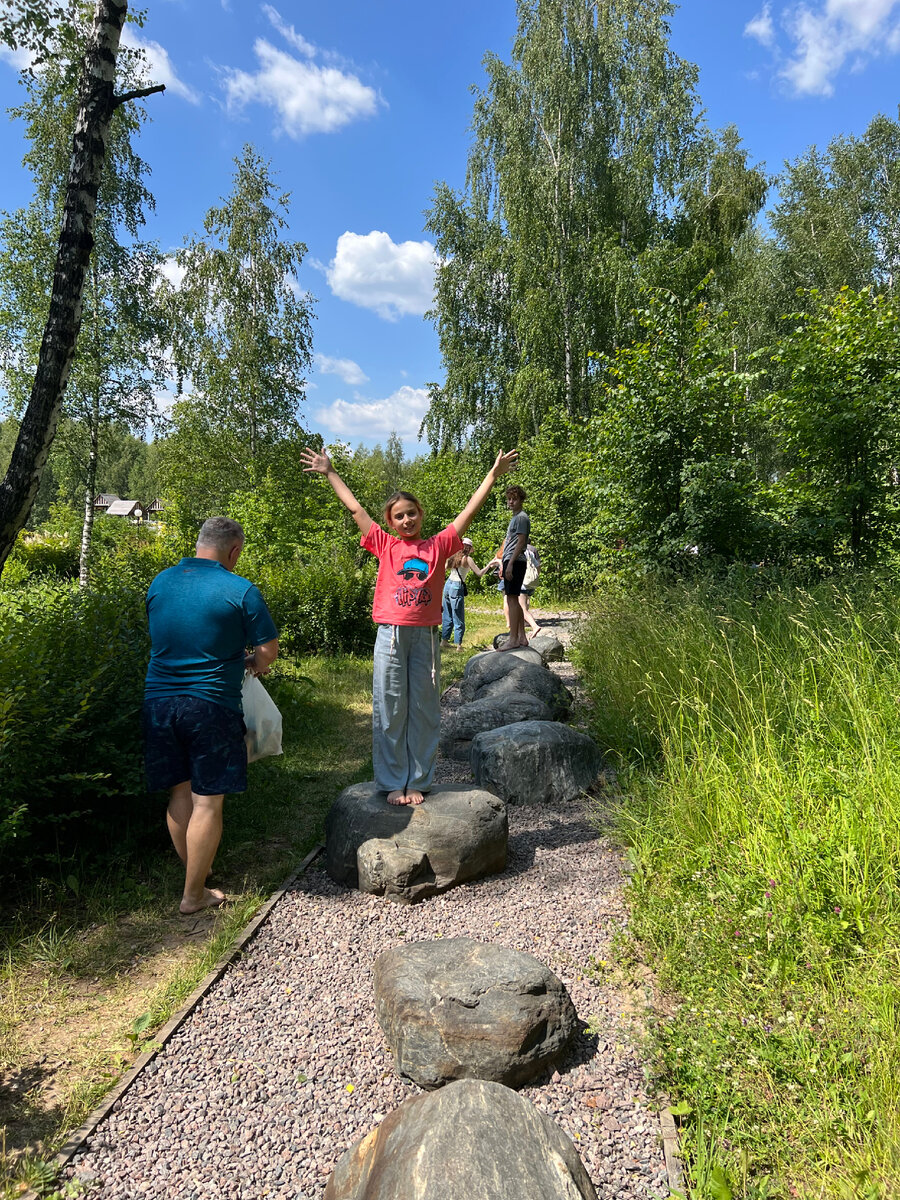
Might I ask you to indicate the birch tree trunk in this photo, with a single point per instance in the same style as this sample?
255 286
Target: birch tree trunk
87 528
97 104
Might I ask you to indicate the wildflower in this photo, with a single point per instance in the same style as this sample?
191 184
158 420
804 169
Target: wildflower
772 883
768 895
837 908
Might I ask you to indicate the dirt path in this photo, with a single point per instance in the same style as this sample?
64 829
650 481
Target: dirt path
283 1065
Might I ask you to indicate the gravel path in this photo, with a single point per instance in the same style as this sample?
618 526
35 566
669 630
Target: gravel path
283 1065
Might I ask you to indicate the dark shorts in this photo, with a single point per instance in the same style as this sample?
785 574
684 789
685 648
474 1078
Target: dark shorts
187 737
513 587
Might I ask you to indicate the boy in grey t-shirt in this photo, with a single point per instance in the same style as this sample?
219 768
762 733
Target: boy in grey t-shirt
513 566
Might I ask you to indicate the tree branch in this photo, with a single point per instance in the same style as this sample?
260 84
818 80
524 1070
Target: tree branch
137 94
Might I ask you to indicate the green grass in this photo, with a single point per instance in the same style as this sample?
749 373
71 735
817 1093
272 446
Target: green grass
758 743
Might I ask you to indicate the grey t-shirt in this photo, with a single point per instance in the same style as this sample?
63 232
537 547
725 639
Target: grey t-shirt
520 524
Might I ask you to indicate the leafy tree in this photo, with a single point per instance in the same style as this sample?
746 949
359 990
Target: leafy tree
242 343
838 422
97 103
118 362
670 455
838 217
590 166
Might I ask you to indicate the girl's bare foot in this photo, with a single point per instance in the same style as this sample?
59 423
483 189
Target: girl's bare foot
414 797
211 898
398 797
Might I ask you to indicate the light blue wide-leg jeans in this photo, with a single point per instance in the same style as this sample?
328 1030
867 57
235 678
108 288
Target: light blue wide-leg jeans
454 612
406 706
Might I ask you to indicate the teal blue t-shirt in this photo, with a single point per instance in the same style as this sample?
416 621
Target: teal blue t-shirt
202 618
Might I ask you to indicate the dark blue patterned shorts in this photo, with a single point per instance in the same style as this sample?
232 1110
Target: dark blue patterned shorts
187 737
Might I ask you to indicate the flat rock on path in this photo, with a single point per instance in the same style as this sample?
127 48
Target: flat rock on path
460 725
469 1141
531 762
457 1008
409 852
503 676
523 654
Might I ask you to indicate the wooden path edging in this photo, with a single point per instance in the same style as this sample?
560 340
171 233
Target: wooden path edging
669 1134
102 1111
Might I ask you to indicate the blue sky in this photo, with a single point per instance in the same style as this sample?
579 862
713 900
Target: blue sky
362 105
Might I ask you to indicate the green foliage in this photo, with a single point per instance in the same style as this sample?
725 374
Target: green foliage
322 605
71 683
590 169
756 735
838 217
836 417
242 343
42 554
669 444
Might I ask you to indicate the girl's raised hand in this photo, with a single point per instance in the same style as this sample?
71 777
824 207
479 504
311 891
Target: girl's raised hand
312 461
504 463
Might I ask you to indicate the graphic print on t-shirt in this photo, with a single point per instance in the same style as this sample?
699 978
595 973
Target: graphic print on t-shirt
409 597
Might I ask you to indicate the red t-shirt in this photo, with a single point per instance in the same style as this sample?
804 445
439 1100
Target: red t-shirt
410 579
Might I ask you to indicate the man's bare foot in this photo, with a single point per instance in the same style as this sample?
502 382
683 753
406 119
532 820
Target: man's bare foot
414 797
533 632
211 898
398 796
510 645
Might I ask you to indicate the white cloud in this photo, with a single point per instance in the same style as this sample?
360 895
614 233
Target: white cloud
289 33
824 38
159 66
401 412
170 270
345 368
308 97
391 278
19 60
761 27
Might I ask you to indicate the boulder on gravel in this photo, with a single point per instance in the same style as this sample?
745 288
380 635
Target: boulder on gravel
459 726
469 1141
504 676
408 852
548 646
455 1008
521 654
535 761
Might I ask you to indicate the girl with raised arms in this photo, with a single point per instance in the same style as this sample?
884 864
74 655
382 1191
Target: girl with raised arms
406 693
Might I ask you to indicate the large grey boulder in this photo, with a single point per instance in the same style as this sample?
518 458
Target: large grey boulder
523 654
505 676
408 852
459 726
472 1140
548 646
455 1008
535 761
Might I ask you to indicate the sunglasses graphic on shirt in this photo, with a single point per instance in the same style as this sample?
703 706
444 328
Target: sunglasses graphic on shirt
414 568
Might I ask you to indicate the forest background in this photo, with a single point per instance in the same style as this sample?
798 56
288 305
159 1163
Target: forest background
699 363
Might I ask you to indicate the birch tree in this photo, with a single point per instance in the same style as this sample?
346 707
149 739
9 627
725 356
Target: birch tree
98 101
242 343
584 145
118 362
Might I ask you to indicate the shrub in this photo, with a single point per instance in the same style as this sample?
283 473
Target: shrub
71 679
51 554
323 606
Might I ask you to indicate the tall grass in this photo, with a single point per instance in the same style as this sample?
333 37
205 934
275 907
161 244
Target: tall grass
758 739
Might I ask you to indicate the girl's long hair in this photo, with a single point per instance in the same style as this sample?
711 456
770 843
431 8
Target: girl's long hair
457 559
392 500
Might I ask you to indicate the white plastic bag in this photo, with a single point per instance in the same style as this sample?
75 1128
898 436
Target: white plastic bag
262 718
